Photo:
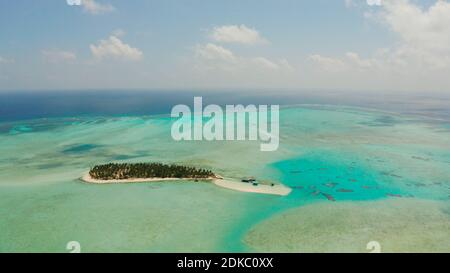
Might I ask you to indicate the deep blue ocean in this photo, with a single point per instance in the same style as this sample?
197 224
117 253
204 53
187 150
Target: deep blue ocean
21 105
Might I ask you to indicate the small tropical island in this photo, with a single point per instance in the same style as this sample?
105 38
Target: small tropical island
157 172
145 172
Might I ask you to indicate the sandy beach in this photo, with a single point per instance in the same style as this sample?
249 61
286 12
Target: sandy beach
87 178
224 183
277 189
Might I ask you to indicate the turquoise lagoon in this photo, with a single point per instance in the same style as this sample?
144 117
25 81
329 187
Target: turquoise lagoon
348 154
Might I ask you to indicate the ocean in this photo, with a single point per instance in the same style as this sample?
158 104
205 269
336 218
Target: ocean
361 168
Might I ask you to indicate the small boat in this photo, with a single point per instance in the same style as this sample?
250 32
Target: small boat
248 180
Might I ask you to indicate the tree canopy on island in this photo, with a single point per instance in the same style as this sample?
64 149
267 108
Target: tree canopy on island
119 171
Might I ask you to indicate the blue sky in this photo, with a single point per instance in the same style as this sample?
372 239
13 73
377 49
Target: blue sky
185 44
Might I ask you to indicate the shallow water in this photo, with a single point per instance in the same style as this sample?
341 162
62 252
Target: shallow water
347 154
395 225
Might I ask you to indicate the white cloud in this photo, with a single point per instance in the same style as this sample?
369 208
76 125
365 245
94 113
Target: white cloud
215 52
419 60
93 7
216 57
266 63
328 63
216 66
374 2
348 3
114 48
58 56
423 47
118 32
6 61
350 61
237 34
424 30
424 35
359 3
354 59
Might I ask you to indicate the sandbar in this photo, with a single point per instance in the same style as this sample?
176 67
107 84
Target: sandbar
276 189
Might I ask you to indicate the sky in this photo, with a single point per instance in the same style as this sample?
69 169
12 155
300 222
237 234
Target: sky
386 45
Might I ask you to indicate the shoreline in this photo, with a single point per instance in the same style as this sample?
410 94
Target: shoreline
219 181
88 179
